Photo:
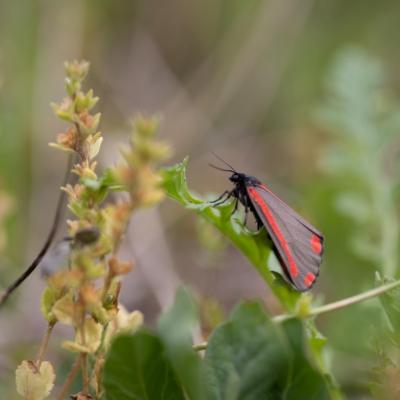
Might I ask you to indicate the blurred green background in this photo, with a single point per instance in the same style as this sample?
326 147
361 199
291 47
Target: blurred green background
302 94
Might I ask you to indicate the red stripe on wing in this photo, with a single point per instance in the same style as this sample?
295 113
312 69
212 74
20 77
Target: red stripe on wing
274 226
291 211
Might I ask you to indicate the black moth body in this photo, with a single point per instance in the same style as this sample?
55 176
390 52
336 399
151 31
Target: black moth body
297 244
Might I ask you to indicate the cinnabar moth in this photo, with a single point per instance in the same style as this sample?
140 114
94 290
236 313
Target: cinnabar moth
297 244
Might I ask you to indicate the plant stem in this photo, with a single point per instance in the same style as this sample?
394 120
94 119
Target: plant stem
200 346
107 283
70 378
43 345
85 374
337 305
53 230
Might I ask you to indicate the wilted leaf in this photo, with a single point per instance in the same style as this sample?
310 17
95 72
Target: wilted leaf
63 309
123 322
34 383
94 144
91 341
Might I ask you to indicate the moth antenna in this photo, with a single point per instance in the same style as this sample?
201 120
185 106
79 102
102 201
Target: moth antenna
221 159
221 169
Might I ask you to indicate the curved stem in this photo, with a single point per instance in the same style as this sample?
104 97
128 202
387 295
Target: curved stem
337 305
200 346
85 373
47 244
70 378
43 345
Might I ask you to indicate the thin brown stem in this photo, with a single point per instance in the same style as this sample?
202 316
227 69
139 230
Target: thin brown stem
70 378
48 242
85 373
78 147
44 344
107 283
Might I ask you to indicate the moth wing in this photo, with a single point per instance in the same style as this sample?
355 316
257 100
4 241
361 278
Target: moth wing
298 244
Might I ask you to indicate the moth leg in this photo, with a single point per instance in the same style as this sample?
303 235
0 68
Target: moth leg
237 195
242 199
223 198
245 202
246 212
236 206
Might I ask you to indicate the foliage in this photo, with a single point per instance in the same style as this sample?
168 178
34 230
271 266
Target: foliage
175 361
360 113
363 118
248 357
137 368
257 249
254 245
384 384
83 291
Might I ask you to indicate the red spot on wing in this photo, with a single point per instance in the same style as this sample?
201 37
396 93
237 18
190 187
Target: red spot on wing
309 279
274 226
316 244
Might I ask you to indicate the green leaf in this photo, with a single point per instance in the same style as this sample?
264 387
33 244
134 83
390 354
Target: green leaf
251 358
98 189
176 327
47 301
105 182
137 368
108 180
316 342
255 246
391 303
354 83
305 381
361 112
354 205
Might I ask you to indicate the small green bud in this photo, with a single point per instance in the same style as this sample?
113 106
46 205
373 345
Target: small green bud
95 122
49 298
91 101
303 308
77 70
72 86
101 315
64 110
80 102
146 127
